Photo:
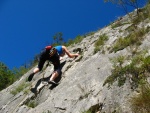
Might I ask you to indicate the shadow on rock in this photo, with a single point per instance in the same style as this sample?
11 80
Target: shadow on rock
44 81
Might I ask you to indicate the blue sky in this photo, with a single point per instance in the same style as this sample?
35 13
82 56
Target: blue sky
27 26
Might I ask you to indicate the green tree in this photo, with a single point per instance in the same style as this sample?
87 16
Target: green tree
124 3
6 76
58 38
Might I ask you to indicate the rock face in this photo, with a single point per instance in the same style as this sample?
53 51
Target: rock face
81 84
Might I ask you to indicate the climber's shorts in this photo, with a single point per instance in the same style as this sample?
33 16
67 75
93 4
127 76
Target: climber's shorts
58 70
54 60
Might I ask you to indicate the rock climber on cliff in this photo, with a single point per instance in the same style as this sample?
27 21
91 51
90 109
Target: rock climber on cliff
52 54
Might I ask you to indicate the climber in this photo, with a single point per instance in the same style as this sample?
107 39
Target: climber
53 54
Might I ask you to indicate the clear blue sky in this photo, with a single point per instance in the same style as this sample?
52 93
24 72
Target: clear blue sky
27 26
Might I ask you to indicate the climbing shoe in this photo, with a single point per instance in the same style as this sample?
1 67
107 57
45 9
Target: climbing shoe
30 77
52 82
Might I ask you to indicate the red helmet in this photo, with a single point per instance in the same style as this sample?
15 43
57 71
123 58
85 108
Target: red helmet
48 47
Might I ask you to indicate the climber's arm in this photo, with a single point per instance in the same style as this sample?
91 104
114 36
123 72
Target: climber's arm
68 53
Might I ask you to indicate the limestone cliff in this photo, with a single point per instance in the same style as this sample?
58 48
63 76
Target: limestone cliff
81 84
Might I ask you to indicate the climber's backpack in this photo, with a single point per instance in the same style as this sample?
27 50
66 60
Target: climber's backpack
51 50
